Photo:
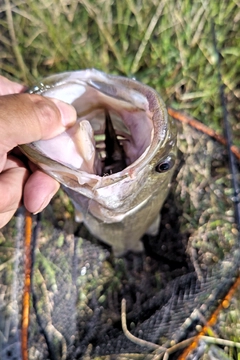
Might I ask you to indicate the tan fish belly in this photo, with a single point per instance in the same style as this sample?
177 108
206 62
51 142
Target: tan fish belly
119 206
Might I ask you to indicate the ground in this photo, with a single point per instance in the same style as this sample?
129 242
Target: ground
169 46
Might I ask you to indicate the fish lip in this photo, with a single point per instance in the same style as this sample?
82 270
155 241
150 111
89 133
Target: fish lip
130 171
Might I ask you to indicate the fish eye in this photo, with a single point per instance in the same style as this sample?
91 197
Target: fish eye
165 165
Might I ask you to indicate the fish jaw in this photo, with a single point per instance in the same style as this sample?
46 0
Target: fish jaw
118 208
123 231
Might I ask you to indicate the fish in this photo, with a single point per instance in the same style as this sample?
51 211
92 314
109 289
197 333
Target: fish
116 163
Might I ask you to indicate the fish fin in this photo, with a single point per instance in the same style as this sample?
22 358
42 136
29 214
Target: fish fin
154 227
78 216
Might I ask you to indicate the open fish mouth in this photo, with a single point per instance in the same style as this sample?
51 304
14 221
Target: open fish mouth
117 160
113 156
114 126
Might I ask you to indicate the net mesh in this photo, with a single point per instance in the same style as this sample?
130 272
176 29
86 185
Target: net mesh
170 290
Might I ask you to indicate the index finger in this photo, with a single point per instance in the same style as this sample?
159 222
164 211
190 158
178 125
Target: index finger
10 87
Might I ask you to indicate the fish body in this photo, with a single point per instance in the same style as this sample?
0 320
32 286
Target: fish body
119 195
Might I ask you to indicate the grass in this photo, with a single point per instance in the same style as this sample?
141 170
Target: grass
167 44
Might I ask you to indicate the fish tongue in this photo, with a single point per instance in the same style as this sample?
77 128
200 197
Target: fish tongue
115 156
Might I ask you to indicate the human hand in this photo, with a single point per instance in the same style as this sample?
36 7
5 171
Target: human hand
25 118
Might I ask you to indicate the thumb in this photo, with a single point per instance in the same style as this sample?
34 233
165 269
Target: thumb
25 118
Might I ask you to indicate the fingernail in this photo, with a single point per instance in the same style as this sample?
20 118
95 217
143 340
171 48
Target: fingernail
68 112
45 203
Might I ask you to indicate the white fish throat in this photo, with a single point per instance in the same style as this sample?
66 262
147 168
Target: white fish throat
117 161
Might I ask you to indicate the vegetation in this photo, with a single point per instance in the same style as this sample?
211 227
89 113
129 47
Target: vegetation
167 45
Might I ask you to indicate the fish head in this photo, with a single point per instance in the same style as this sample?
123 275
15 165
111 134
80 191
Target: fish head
119 156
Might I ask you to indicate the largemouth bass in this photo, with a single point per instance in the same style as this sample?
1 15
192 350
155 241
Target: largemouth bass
117 161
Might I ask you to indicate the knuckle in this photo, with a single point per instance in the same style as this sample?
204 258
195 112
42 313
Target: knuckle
45 109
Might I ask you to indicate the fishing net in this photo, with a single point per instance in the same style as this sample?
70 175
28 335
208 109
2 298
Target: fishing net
171 290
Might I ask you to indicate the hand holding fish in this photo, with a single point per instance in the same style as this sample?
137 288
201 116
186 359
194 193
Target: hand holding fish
25 118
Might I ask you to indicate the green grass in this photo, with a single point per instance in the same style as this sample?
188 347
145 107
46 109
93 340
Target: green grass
167 44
